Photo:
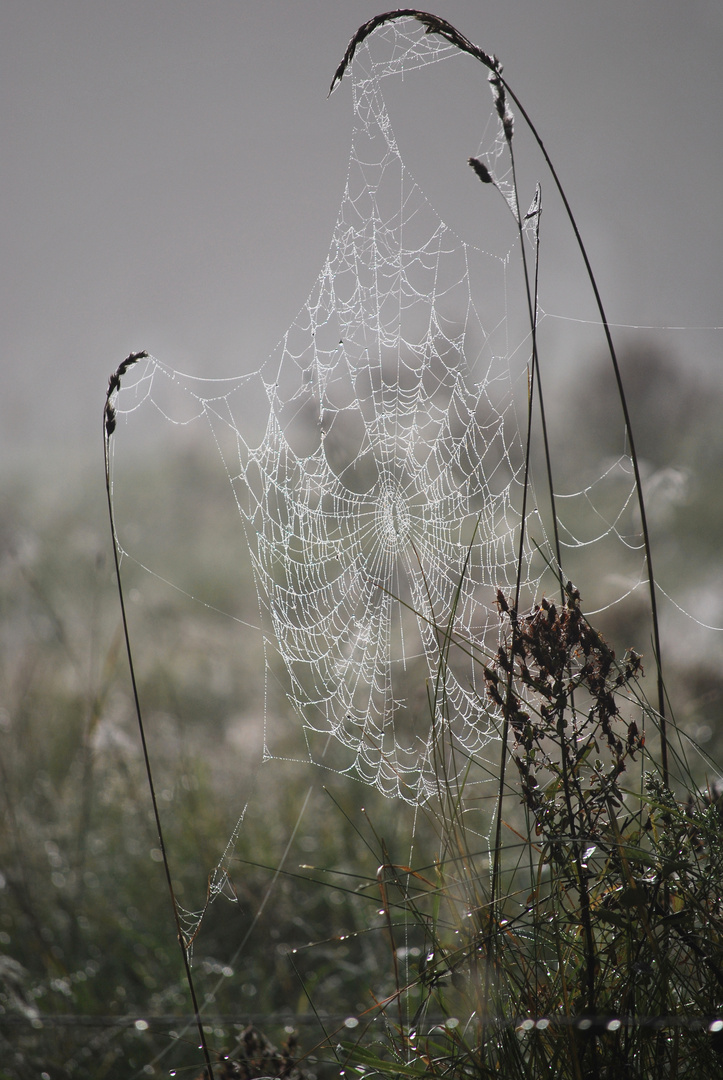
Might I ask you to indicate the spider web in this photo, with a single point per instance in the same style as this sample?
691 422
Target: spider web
377 463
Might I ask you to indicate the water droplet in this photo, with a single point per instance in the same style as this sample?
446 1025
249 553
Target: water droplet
716 1025
614 1025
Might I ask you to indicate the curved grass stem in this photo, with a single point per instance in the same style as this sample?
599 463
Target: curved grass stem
109 421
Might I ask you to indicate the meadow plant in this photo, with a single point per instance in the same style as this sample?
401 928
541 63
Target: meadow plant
591 944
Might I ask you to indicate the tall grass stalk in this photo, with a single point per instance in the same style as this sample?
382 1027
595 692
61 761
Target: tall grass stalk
435 25
109 423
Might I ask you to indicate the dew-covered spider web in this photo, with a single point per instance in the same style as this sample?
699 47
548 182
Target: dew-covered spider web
378 464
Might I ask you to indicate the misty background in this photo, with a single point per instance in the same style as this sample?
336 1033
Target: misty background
171 173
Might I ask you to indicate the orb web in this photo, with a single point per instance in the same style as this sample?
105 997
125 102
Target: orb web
377 465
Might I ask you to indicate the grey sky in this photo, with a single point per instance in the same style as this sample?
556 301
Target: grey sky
171 171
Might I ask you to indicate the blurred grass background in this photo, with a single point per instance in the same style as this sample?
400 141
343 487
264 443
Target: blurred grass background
90 978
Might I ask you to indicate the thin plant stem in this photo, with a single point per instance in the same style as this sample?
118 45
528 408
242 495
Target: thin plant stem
628 427
433 24
109 421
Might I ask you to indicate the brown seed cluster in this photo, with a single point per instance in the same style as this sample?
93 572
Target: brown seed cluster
257 1057
114 385
559 686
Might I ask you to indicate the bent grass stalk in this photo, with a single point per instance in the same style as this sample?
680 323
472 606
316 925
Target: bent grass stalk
109 424
435 25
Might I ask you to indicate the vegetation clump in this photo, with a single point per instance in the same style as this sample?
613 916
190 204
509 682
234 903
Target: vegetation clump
595 946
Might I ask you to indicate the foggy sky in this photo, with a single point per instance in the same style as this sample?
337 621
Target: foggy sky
171 171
